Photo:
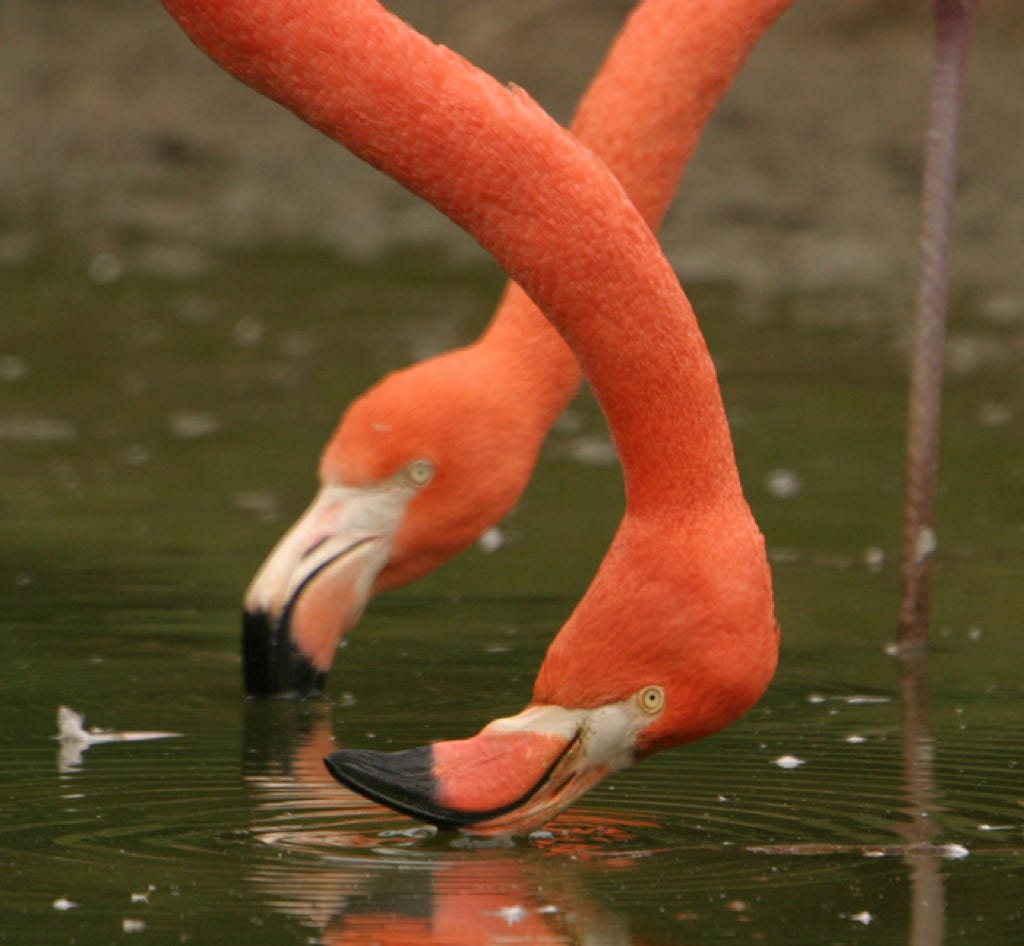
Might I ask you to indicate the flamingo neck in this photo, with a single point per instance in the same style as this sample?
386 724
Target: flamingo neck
643 114
535 365
560 225
498 166
661 80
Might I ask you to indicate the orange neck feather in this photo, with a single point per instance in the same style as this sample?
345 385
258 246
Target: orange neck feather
686 578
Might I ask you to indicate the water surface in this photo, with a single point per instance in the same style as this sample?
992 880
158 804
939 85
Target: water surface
157 435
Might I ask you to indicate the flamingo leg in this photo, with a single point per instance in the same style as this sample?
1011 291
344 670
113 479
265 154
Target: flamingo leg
954 20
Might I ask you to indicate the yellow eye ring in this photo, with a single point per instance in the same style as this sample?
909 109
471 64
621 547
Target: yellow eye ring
420 472
651 699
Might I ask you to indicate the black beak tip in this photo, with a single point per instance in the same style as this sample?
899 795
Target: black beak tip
403 781
272 667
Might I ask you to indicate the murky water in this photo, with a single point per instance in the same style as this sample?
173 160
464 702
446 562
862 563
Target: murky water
156 437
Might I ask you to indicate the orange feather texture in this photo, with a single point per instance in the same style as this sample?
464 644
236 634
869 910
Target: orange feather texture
480 414
683 599
468 412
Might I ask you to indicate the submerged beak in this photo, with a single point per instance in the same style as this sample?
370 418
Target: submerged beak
314 586
510 778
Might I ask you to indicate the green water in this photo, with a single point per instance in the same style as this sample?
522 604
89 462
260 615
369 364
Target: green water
157 435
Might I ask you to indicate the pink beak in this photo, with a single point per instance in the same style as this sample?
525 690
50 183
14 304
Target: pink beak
314 586
512 777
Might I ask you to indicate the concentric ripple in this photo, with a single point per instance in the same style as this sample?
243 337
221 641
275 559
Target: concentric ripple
821 811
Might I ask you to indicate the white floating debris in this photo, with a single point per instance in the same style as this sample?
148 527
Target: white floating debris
862 917
954 852
592 451
874 559
994 414
188 425
570 421
856 740
105 268
861 699
132 926
927 543
974 634
511 915
491 540
417 833
71 729
62 903
789 762
816 698
996 827
37 430
75 738
262 504
13 368
136 455
143 897
247 332
1003 309
783 484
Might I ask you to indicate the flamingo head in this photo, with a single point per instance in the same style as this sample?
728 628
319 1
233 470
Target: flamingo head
417 469
637 669
514 775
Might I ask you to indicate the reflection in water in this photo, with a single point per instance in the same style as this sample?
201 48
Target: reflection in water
927 890
919 850
337 864
358 882
480 900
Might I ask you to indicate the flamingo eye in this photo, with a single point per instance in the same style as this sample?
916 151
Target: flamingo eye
420 472
651 699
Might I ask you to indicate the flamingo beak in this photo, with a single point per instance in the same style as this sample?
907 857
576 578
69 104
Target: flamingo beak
314 586
512 777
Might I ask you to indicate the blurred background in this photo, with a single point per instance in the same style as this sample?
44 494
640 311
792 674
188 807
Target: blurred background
121 139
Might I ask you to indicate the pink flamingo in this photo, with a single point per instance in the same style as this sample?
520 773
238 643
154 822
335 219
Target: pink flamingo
676 636
429 458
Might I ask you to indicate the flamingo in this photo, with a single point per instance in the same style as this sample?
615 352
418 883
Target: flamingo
432 456
676 636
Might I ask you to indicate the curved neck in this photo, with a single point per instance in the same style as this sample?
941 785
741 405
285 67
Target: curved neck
533 360
550 213
661 80
643 115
